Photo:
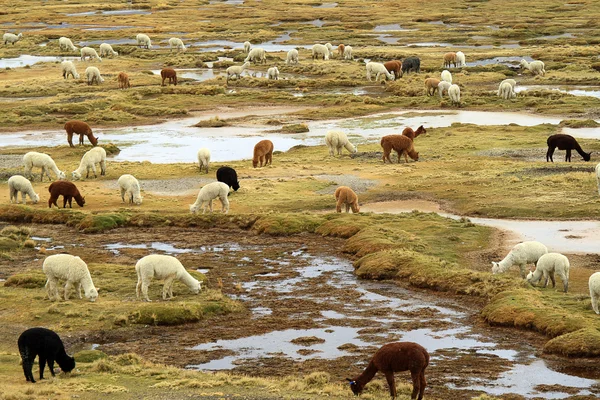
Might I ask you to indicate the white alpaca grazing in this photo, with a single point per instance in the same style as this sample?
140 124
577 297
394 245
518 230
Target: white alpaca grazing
247 46
378 69
18 183
68 68
210 192
292 57
521 255
203 158
460 59
594 284
107 50
320 50
44 161
506 90
257 55
348 53
176 43
143 40
64 43
336 141
548 265
536 67
129 185
92 74
454 94
273 73
71 269
330 49
165 268
11 38
89 52
443 86
97 155
446 76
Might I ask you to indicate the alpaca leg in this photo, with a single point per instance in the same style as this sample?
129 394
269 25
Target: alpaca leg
42 363
568 155
168 283
522 269
81 137
565 281
27 364
423 383
68 287
338 206
389 376
50 362
138 287
145 290
23 197
552 278
270 157
347 207
399 153
123 194
70 139
225 204
549 154
594 297
70 200
78 288
94 170
65 201
416 378
210 205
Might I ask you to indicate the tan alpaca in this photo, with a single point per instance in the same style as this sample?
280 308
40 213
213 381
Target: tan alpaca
263 152
401 144
346 196
431 84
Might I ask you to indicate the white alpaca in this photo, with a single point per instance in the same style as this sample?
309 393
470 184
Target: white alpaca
521 255
129 185
107 50
257 54
454 94
547 266
247 46
292 57
443 86
378 69
11 38
336 141
93 74
330 49
89 52
68 68
273 73
18 183
460 59
210 192
64 43
143 40
71 269
536 67
348 53
594 284
203 158
320 50
96 155
506 90
44 161
165 268
176 43
598 177
446 76
236 70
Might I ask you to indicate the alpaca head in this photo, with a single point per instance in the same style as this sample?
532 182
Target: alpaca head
36 198
495 267
92 294
356 387
529 276
236 186
76 175
61 175
420 131
81 203
66 364
587 156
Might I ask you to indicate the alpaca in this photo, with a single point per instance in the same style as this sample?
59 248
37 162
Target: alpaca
45 344
547 266
341 48
228 176
163 267
565 142
431 84
263 152
396 357
394 67
123 79
401 144
346 196
170 74
68 190
80 128
521 254
408 132
449 58
336 141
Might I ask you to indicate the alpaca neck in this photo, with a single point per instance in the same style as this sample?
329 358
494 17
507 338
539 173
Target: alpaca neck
187 279
350 147
507 262
367 374
582 153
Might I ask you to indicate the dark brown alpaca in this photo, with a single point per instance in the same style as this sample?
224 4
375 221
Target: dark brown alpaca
401 144
80 128
263 152
394 67
68 190
396 357
408 132
168 73
565 142
123 79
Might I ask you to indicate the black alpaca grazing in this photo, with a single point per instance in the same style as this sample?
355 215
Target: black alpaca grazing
45 344
565 142
396 357
228 176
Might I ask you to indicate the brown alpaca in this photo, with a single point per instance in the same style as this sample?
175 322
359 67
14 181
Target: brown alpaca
263 152
431 84
449 58
68 190
81 128
401 144
340 50
123 80
395 67
168 73
346 196
396 357
408 132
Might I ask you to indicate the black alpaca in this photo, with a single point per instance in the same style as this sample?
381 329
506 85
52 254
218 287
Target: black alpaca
45 344
228 176
564 142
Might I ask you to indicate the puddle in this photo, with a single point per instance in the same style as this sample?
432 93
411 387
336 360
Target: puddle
327 5
25 60
109 12
116 28
552 37
316 22
387 39
109 41
590 91
391 28
167 248
508 61
230 2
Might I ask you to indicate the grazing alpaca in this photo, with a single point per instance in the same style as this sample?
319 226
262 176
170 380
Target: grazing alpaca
80 128
68 190
45 344
431 84
340 50
123 79
401 144
565 142
336 141
228 176
449 58
396 357
263 152
408 132
411 64
168 73
394 67
346 196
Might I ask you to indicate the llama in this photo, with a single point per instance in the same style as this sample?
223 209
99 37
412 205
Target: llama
565 142
45 344
163 267
408 132
263 152
68 190
170 74
401 144
346 196
396 357
80 128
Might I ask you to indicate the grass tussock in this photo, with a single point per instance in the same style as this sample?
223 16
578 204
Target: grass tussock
26 280
214 122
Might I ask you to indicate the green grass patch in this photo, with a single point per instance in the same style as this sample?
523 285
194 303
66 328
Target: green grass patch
27 280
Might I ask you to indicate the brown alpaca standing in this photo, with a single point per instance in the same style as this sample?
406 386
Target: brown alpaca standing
449 58
80 128
396 357
394 67
401 144
408 132
263 152
346 196
431 84
68 190
168 73
340 50
123 79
